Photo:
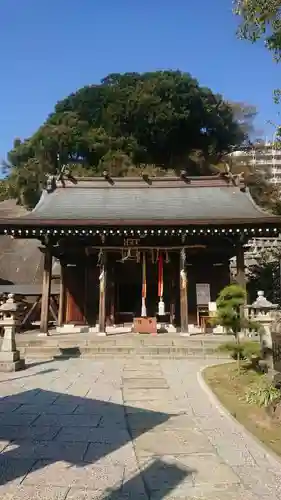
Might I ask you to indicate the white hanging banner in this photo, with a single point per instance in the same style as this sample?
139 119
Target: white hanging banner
203 296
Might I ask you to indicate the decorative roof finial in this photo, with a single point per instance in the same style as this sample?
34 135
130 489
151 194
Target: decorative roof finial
235 179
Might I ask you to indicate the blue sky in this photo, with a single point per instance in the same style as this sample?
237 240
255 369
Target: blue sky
49 48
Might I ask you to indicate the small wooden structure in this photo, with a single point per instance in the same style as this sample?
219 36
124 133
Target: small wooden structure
31 296
110 233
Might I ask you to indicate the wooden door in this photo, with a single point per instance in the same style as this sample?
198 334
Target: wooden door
75 293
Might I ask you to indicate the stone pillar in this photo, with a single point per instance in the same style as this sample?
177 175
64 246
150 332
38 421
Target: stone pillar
46 289
102 300
183 293
10 360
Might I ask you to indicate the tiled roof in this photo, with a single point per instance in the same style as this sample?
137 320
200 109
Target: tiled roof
136 200
20 260
133 200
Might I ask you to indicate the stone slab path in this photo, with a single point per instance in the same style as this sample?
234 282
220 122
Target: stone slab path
124 429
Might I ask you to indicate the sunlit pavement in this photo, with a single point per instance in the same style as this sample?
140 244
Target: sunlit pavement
80 429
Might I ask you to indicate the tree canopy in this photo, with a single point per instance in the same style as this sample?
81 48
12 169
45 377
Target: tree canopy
229 303
161 119
261 20
264 274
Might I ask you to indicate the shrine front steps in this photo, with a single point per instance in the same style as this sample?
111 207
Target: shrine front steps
144 346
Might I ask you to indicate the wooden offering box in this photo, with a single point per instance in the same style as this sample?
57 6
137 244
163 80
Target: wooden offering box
145 325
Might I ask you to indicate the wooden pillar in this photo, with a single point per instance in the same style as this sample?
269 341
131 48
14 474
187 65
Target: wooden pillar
61 313
112 303
183 293
240 275
46 289
172 291
172 301
240 265
102 299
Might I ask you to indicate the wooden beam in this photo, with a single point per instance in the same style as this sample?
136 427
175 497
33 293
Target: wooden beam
46 288
27 317
102 300
61 314
183 293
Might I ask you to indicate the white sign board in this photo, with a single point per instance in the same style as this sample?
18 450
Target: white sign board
212 307
203 296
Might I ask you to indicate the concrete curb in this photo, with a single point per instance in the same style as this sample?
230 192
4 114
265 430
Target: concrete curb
269 454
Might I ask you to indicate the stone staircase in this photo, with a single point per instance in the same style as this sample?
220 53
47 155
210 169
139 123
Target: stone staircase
32 345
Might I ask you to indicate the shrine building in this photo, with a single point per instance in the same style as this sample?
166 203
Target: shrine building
138 248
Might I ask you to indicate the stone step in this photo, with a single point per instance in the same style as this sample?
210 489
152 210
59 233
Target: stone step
89 345
118 351
115 341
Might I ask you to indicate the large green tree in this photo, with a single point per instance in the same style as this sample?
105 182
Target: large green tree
265 274
163 119
261 20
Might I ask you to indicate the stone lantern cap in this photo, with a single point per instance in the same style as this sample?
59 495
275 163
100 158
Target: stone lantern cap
261 302
9 305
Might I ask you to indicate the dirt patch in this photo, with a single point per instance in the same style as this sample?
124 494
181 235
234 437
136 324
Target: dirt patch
230 387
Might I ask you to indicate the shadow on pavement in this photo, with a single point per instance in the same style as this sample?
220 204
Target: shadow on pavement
155 481
46 429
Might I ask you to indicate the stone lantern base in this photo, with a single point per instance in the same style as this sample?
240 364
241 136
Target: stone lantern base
11 362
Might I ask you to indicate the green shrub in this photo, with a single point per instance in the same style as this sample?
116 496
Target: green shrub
263 394
246 350
229 303
251 349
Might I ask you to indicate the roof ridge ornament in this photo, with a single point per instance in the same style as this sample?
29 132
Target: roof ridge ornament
63 174
108 177
184 176
234 179
50 183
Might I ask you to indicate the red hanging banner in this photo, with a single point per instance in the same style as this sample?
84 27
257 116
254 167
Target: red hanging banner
143 276
160 276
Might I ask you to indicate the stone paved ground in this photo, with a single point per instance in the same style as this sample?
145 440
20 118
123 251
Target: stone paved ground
123 429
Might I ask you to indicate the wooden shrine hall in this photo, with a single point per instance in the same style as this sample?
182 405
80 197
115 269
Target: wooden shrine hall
137 248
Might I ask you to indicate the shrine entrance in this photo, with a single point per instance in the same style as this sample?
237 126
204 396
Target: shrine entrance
127 290
130 275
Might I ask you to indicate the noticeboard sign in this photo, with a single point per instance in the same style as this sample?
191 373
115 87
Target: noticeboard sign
203 296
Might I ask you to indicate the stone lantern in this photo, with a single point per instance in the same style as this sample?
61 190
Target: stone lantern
263 312
261 305
9 356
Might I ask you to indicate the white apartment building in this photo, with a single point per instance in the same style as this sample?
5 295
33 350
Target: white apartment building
254 250
263 157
